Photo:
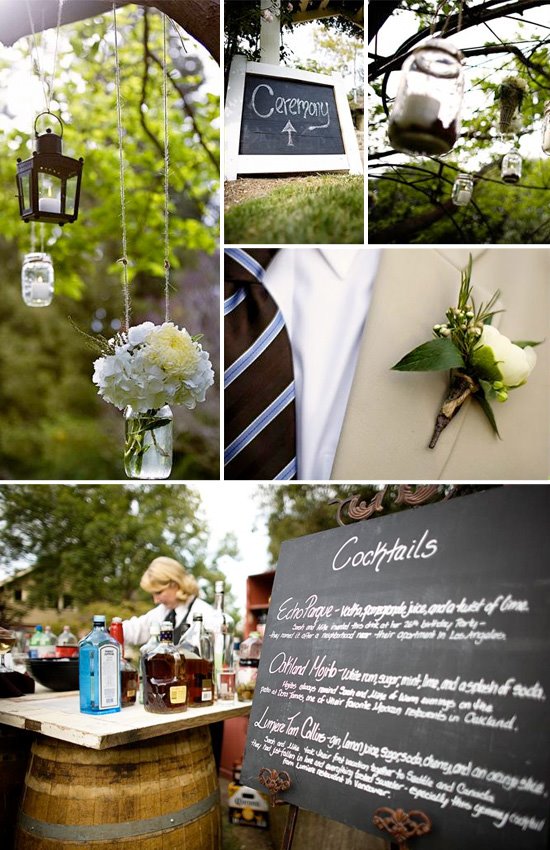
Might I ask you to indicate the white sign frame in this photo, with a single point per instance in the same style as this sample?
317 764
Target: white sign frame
237 163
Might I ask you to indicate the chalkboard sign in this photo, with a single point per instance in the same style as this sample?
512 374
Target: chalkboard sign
406 665
283 120
289 117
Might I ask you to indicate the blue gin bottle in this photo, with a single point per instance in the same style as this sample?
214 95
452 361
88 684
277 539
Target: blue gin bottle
99 670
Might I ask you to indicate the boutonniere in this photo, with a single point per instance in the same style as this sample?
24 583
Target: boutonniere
484 364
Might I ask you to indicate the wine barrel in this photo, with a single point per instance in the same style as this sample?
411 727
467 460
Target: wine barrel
159 794
15 747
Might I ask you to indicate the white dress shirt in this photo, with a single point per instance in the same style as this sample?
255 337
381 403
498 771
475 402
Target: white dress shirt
137 629
324 295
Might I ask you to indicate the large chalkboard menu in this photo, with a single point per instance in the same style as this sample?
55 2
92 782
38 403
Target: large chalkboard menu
289 117
406 664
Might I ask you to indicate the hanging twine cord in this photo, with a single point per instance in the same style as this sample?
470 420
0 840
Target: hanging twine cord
47 87
166 176
124 259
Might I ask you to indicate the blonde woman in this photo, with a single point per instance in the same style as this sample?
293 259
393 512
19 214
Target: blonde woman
176 595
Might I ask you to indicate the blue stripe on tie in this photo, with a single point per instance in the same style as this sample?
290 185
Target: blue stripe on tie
259 345
247 262
257 425
234 300
288 472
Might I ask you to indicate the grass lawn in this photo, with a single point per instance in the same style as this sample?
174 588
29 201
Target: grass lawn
310 210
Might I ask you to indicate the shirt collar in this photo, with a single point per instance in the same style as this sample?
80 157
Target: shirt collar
340 259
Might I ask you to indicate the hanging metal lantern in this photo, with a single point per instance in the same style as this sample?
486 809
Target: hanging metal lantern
37 279
546 129
425 117
511 167
48 184
462 190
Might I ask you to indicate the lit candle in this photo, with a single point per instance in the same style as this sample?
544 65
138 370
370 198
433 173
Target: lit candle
41 292
419 109
52 205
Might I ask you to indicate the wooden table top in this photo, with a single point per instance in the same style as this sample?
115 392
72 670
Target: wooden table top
58 716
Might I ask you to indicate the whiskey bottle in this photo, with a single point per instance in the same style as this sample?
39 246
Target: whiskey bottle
154 632
165 684
199 662
128 674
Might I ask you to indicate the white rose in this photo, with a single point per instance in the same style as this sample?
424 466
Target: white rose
515 364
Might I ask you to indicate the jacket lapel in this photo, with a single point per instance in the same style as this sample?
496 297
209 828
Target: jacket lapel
391 415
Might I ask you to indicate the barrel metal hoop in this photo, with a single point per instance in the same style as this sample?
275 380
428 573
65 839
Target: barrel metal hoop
85 834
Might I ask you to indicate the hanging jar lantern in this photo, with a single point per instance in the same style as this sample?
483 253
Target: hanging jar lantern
37 279
148 443
546 129
511 167
48 184
425 117
462 190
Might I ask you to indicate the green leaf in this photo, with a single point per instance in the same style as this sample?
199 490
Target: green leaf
488 411
485 365
432 356
524 343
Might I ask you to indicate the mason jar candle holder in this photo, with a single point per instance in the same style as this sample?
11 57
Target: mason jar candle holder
511 167
463 188
425 117
37 279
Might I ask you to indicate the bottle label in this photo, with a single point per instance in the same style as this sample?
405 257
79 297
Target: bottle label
178 694
109 677
206 694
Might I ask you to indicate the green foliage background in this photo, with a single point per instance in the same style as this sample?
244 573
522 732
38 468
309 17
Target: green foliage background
52 423
412 203
93 542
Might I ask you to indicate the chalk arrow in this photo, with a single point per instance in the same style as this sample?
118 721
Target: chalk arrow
288 128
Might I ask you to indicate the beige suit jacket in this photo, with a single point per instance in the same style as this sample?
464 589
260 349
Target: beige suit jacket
390 415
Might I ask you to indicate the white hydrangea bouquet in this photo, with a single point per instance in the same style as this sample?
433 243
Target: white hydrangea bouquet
143 371
484 364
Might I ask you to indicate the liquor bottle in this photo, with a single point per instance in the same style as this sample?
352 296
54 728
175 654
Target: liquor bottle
128 674
223 646
34 642
197 647
99 670
154 632
165 682
249 661
67 644
47 644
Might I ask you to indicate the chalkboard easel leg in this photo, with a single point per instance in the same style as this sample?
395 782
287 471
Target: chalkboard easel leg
288 837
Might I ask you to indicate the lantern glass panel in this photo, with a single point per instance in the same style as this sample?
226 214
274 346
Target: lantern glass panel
25 180
70 195
37 280
426 113
49 193
511 167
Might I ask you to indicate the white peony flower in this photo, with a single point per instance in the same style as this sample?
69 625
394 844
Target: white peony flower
515 364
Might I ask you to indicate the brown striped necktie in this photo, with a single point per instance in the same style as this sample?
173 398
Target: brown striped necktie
260 426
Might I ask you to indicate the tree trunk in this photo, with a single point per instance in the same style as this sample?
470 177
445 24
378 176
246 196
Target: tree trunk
199 18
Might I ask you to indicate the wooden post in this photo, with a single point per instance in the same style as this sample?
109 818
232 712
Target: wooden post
270 32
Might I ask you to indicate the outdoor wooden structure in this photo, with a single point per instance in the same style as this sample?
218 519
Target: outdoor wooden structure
200 18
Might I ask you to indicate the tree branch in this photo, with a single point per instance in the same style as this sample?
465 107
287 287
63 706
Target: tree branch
471 17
